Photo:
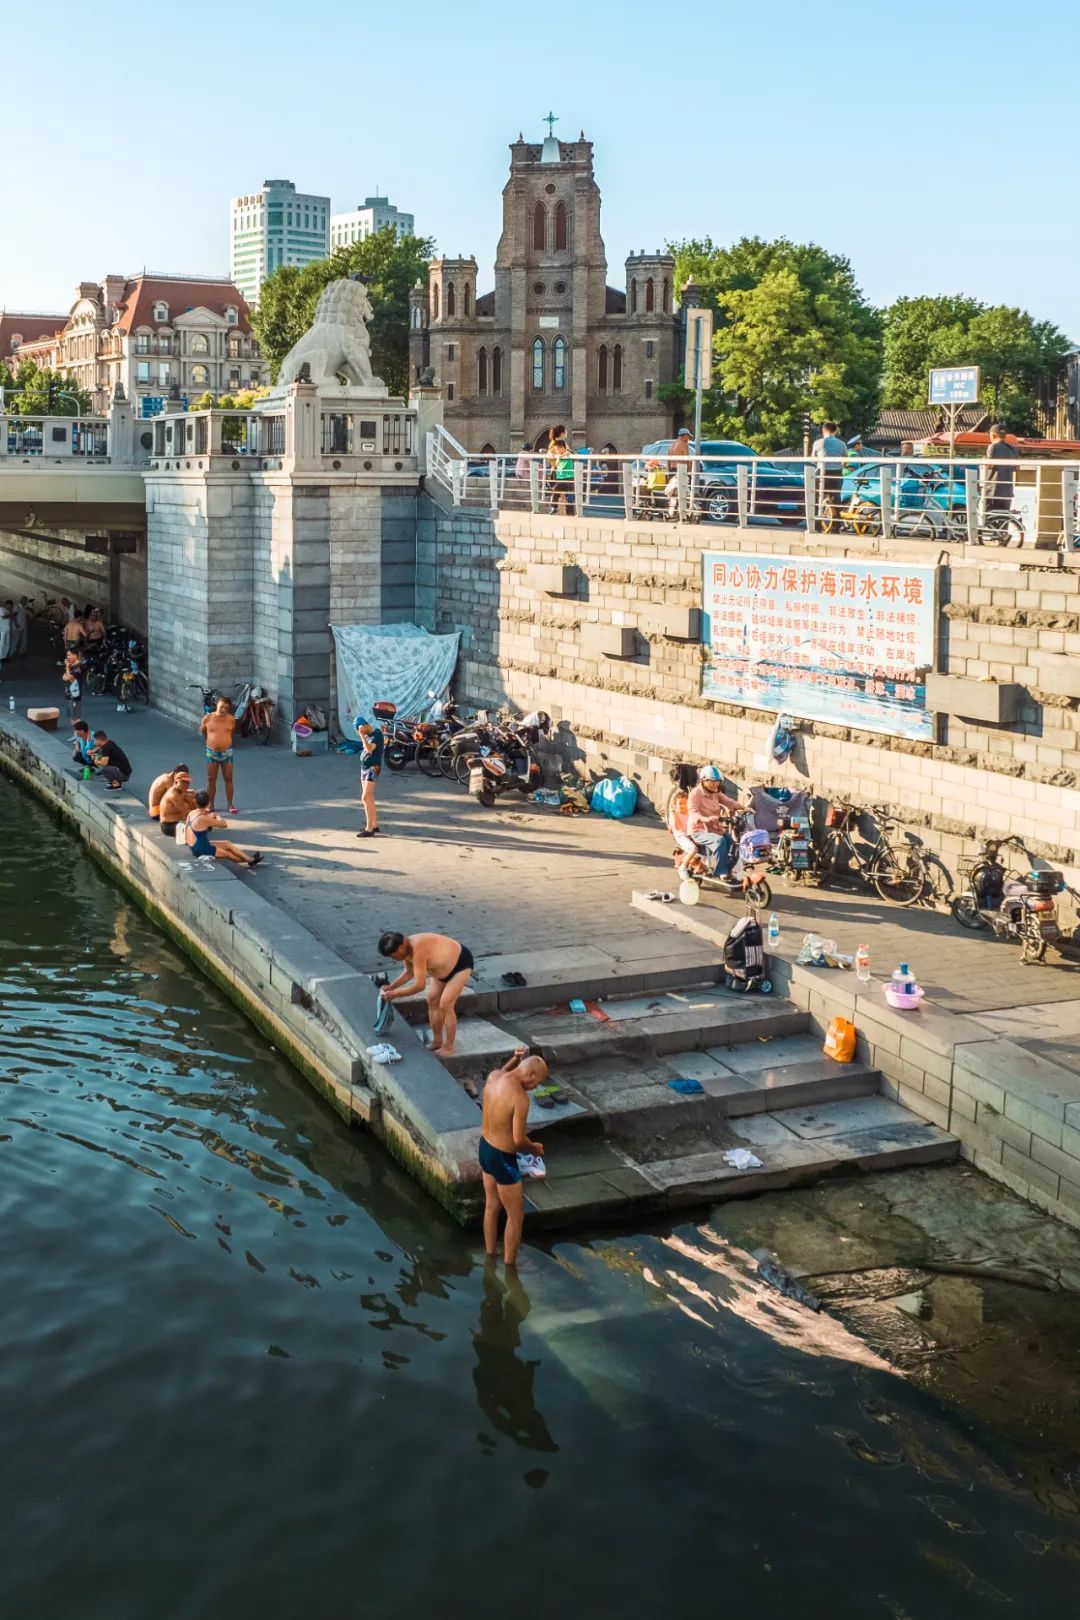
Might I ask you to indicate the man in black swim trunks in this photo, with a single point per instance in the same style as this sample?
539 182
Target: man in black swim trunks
443 965
503 1137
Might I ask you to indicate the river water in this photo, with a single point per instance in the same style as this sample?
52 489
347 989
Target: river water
250 1371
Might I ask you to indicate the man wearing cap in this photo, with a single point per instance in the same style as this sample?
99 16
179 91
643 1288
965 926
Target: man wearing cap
706 821
679 451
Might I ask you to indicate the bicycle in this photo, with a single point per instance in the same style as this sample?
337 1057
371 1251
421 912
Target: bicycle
254 712
209 694
986 878
898 873
939 523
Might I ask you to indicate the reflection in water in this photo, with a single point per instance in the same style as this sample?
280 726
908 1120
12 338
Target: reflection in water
244 1358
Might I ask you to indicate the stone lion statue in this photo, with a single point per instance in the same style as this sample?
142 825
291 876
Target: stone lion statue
337 342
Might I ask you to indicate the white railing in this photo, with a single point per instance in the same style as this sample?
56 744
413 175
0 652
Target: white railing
49 438
1023 501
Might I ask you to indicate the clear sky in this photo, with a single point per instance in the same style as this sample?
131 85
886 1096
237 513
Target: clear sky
931 143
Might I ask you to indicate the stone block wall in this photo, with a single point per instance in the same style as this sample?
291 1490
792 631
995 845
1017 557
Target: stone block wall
56 563
1003 617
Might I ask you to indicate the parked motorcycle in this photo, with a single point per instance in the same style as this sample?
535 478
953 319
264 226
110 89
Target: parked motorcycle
794 855
1028 913
507 764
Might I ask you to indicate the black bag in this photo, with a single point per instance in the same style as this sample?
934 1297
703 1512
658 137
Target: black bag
989 885
684 776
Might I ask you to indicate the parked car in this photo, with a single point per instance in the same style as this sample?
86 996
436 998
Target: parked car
776 491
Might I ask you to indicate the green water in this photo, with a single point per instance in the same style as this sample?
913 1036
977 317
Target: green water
250 1371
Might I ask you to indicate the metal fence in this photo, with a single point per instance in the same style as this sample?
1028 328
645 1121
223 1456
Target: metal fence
1019 502
54 436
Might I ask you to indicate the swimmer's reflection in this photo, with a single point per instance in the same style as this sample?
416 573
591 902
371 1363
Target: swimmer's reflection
504 1383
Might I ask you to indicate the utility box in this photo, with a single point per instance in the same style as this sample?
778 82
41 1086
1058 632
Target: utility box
608 640
677 623
991 702
555 579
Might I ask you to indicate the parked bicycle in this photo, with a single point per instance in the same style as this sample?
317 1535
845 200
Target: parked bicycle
897 871
254 712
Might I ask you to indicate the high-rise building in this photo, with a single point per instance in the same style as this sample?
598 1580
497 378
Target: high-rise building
275 226
375 214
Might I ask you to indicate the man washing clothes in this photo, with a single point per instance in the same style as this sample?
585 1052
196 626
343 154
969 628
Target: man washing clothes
440 963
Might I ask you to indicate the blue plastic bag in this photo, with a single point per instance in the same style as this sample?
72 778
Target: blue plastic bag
615 796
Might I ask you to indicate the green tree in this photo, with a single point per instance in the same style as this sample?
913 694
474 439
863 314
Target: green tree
389 264
45 393
793 334
1010 346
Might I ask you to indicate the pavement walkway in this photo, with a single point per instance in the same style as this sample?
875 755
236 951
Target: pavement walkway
520 879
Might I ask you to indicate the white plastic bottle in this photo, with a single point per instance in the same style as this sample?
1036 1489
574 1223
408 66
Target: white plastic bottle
862 964
903 979
774 929
11 703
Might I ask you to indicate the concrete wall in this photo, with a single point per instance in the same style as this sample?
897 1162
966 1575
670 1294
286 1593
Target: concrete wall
57 564
1001 617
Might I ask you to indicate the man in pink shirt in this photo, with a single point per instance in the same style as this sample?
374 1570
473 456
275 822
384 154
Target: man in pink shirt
708 810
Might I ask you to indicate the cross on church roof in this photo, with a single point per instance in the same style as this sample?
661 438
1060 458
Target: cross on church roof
550 121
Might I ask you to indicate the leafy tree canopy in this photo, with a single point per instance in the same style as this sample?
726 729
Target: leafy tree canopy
793 334
389 264
1012 348
32 391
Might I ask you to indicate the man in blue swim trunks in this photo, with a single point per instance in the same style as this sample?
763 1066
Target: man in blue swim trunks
503 1137
217 728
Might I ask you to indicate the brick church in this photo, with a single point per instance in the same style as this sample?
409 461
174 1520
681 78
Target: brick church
553 342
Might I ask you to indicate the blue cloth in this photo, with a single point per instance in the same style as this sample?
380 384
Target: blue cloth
688 1088
384 1013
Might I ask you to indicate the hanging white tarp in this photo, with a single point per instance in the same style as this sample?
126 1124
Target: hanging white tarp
390 663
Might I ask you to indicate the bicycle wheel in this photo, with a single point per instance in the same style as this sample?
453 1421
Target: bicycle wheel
898 875
864 518
965 910
96 681
759 894
915 526
461 769
262 722
395 756
427 758
445 759
829 517
1002 529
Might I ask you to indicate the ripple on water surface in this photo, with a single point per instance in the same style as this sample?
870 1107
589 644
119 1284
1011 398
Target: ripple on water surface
245 1360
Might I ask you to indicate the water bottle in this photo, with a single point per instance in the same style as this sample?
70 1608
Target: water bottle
903 979
862 964
11 703
774 929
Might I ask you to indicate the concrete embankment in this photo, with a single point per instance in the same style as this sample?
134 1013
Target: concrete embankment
301 994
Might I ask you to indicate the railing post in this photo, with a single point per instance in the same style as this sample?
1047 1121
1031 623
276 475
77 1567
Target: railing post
4 435
972 502
1070 492
682 481
809 478
457 481
579 485
886 501
217 422
534 483
742 494
626 469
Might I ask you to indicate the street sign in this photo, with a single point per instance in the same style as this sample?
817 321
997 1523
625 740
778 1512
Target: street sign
697 372
954 385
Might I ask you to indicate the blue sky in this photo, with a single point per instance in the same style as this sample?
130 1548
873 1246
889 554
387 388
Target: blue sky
930 143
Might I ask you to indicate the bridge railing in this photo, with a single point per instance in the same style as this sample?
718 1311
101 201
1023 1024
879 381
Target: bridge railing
1009 502
53 438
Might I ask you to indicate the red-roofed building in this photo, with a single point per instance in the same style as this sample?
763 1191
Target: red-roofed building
17 328
152 333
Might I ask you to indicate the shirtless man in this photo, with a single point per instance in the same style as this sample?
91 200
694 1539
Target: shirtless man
158 789
218 729
443 961
502 1138
177 802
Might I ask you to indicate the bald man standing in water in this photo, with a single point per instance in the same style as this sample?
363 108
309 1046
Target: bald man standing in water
503 1137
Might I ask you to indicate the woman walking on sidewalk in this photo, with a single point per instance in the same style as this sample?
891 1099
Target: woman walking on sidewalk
373 742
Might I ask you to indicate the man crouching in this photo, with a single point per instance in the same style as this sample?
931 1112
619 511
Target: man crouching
503 1137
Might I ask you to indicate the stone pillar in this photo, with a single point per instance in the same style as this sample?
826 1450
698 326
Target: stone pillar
121 429
426 400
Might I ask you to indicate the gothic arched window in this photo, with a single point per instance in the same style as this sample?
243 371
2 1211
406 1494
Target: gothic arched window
451 299
538 364
558 363
539 227
667 296
602 368
435 302
616 369
633 298
482 371
650 296
560 226
496 371
467 300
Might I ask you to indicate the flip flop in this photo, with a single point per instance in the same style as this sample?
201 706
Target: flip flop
688 1088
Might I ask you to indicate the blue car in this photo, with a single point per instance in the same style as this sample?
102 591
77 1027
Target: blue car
776 492
927 484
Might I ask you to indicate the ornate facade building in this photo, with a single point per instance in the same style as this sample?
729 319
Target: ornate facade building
553 342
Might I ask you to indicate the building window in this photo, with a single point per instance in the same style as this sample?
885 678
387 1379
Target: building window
435 302
496 371
539 227
451 351
602 368
648 388
560 287
558 363
633 298
234 348
667 296
650 349
466 300
200 374
142 343
482 371
142 371
616 369
560 227
538 364
164 344
451 300
650 296
161 312
449 391
230 314
200 344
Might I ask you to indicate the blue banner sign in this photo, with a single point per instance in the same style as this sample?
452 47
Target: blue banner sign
845 642
954 385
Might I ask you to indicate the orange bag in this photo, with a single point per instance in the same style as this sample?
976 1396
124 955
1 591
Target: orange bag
840 1040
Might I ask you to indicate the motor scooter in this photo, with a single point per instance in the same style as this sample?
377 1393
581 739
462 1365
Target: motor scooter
1028 913
491 774
748 877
